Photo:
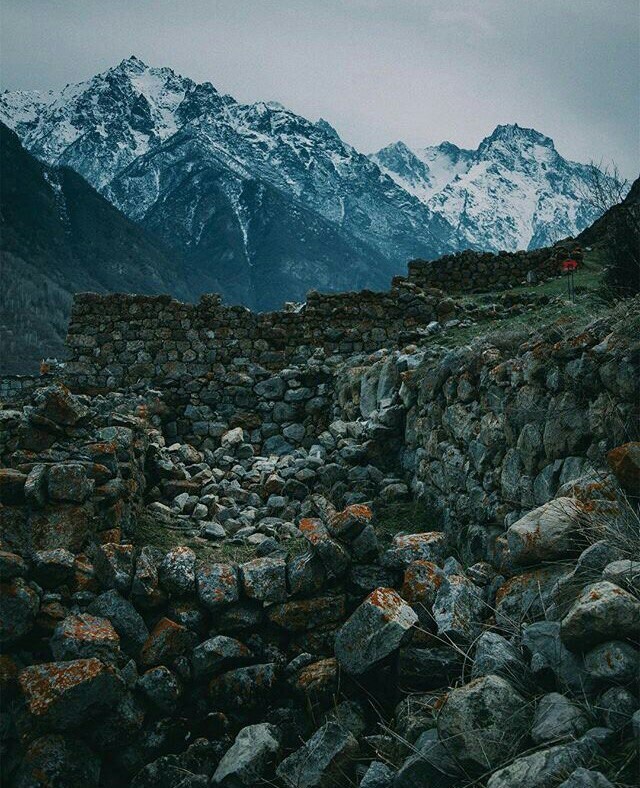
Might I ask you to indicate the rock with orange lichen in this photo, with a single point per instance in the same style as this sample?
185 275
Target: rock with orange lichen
19 605
176 572
63 695
546 533
334 556
57 404
318 681
526 596
217 585
81 636
301 614
625 463
421 582
377 628
350 522
428 546
265 579
167 641
126 620
114 566
145 590
60 525
614 661
69 482
603 611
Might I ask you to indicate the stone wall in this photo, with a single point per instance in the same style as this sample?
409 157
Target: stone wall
477 271
117 340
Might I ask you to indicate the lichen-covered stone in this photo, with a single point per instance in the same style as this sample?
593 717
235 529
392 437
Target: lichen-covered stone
430 546
64 695
83 635
166 641
545 533
603 611
217 584
265 579
377 628
249 758
329 755
214 654
483 722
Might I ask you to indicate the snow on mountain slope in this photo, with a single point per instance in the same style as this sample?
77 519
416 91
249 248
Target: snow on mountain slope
109 127
141 134
515 191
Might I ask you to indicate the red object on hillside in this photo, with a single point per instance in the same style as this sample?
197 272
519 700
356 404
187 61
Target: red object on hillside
569 265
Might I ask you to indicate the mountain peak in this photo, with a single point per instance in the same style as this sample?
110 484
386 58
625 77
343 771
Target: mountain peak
131 64
512 133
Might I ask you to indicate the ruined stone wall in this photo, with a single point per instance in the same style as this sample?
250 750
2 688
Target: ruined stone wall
117 340
470 271
492 431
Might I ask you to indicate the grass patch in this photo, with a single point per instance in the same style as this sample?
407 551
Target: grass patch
413 517
149 531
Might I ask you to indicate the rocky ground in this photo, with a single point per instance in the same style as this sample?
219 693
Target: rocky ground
187 601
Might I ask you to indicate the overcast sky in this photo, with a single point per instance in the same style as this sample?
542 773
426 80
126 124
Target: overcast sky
378 70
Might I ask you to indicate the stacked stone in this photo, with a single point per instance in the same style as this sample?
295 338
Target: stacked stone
117 340
471 271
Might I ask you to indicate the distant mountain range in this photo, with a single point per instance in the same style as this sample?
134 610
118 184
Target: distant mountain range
261 204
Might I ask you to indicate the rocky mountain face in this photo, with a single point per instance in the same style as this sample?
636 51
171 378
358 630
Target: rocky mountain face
514 192
247 189
59 236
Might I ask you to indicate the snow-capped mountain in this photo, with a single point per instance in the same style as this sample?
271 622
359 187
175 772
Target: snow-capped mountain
514 192
161 146
264 204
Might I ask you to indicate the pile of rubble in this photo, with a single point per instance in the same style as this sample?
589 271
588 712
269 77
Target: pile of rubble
329 664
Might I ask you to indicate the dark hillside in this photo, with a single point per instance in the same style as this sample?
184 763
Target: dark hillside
59 236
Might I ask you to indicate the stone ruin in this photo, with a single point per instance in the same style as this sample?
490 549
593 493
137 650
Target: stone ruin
319 548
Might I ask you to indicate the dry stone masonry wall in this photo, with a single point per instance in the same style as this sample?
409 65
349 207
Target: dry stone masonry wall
471 271
116 340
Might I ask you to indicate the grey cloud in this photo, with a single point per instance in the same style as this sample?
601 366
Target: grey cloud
379 70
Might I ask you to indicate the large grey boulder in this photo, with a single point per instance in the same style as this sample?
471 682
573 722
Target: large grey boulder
545 767
177 572
483 722
126 620
375 629
378 775
326 759
215 653
550 658
557 718
247 760
430 763
459 609
586 778
495 655
546 533
603 611
614 661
